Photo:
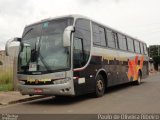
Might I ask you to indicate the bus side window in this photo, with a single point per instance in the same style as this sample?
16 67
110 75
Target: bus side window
116 39
137 47
141 46
98 35
122 42
110 39
82 36
130 44
145 49
102 36
78 52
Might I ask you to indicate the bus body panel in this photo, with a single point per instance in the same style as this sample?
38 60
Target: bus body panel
45 83
115 63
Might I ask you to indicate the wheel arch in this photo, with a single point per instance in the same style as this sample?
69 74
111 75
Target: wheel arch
104 75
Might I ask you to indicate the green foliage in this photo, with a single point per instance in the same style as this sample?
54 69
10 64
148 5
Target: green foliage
6 83
153 50
6 87
156 59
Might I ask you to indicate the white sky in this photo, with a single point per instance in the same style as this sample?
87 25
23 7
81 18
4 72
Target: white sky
138 18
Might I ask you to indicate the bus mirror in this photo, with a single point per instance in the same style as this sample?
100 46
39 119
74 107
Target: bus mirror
12 47
67 36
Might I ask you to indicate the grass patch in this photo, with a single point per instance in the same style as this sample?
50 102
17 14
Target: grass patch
6 78
6 87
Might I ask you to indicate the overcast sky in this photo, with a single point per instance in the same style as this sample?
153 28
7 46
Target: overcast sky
138 18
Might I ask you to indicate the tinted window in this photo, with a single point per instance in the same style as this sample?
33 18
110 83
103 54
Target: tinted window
130 44
102 36
110 39
122 42
98 35
78 52
83 24
115 39
82 36
145 48
137 47
141 47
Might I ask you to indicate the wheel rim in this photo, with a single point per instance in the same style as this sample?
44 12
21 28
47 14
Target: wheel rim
100 85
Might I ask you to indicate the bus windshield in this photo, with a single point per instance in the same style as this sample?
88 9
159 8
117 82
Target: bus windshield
42 47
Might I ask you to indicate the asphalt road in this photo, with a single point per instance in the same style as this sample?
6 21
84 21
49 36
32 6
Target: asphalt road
127 98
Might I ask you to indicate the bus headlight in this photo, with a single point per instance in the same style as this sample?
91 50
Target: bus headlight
62 81
21 82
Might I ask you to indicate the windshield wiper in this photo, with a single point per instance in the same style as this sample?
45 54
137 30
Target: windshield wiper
44 63
42 59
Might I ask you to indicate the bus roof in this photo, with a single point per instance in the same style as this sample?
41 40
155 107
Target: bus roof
58 17
76 16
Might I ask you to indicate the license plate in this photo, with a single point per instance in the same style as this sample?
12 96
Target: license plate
38 90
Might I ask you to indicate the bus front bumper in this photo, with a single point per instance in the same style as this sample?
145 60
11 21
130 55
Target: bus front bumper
59 89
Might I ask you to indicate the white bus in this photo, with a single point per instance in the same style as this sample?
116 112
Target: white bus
74 55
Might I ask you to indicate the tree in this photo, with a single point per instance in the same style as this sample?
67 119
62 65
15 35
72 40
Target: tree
154 52
156 60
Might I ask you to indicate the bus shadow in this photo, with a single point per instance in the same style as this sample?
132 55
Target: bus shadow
61 101
115 88
58 101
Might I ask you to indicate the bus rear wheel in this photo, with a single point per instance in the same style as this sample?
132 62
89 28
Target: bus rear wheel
99 86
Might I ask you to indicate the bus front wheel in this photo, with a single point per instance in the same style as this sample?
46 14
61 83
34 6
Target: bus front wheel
100 86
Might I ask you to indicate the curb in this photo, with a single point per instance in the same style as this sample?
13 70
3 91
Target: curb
154 73
24 100
27 99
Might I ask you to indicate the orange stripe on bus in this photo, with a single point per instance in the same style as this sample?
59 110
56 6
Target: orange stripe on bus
133 67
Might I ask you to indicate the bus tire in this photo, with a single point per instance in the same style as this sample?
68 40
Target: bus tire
99 86
138 81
